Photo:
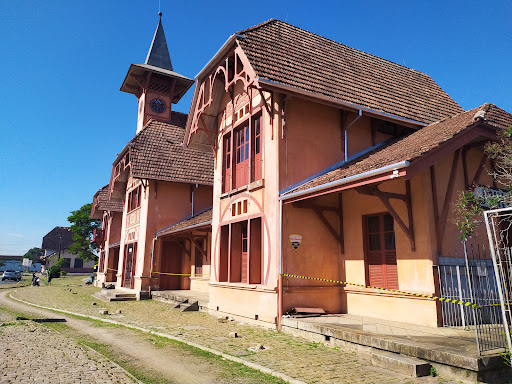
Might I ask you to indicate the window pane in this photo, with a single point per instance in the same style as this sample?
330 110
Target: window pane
241 154
257 126
374 241
244 245
373 224
241 136
238 155
246 133
389 224
257 145
389 240
246 151
228 161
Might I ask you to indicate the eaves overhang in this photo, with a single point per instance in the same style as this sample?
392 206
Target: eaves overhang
388 172
130 83
344 104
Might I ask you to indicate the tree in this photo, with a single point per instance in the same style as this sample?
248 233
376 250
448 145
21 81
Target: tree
32 253
82 226
468 208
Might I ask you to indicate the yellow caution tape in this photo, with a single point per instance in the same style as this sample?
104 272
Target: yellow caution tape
442 299
179 274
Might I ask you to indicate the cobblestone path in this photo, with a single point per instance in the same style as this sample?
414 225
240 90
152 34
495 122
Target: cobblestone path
32 353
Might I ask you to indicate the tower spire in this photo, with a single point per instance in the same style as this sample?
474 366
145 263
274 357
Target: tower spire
158 55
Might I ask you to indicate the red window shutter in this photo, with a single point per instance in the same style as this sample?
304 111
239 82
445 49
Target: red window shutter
226 165
257 164
381 252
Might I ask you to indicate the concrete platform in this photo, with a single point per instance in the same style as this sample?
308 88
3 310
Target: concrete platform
451 351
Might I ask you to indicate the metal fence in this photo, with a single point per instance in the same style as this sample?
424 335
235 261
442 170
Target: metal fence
482 276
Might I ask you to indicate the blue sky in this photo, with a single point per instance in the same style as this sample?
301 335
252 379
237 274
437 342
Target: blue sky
63 118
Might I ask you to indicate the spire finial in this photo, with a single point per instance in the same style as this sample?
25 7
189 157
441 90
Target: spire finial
160 14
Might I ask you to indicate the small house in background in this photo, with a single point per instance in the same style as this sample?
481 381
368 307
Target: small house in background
56 245
107 238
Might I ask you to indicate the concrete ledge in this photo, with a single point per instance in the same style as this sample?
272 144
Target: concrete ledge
450 362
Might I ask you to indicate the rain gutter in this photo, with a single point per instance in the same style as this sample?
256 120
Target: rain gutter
346 180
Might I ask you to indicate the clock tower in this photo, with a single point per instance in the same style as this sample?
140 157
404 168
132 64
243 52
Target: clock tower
154 83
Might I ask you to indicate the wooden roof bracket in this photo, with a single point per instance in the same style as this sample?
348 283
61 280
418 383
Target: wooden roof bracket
406 198
198 246
441 222
320 213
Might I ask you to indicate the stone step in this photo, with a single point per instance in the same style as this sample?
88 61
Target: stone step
407 365
110 295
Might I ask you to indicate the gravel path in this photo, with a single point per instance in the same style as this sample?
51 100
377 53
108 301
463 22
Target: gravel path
32 353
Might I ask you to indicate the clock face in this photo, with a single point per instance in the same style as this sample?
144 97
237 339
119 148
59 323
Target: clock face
157 106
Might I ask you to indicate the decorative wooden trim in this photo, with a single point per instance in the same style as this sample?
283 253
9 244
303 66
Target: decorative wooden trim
319 211
479 170
436 206
447 199
445 149
465 166
193 240
340 215
384 198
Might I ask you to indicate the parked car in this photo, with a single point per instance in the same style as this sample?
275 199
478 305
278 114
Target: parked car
11 275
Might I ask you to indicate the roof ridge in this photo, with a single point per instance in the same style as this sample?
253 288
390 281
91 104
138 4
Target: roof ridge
331 40
257 26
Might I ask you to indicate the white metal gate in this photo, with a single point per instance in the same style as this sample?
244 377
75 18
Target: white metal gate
499 231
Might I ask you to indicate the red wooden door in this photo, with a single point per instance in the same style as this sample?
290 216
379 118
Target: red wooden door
242 156
382 269
130 254
170 263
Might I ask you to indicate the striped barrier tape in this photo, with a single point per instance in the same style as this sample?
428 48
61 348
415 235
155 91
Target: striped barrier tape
179 274
442 299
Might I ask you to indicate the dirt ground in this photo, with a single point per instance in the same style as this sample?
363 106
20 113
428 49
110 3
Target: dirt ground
159 360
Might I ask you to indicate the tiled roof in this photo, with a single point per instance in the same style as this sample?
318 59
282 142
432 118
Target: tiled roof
204 217
58 238
104 204
416 144
288 55
156 153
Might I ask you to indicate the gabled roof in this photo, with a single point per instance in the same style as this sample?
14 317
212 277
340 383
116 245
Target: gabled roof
58 238
411 148
287 55
101 202
156 153
199 220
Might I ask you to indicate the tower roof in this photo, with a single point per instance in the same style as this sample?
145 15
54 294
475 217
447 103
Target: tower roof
158 61
158 55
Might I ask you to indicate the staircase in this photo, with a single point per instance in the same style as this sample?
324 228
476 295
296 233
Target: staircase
185 301
108 295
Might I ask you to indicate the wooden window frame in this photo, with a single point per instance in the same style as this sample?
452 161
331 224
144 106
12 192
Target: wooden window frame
242 153
231 146
134 198
231 266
